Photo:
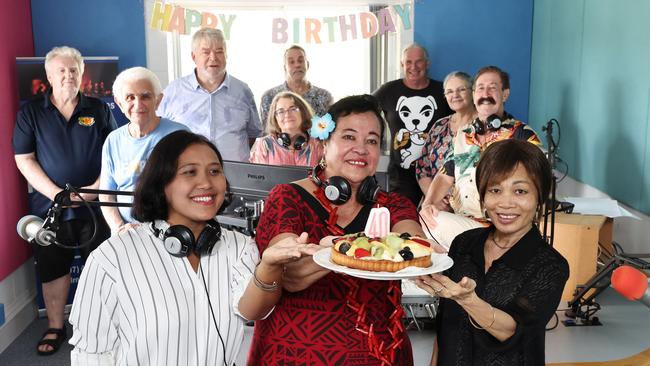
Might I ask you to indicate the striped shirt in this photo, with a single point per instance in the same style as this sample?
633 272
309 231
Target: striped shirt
138 305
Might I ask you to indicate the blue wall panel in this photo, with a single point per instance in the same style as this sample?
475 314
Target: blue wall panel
95 27
466 35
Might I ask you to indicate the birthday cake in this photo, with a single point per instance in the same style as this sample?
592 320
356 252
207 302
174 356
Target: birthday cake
386 254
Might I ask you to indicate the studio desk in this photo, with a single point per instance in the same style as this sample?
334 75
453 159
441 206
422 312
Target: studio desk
577 238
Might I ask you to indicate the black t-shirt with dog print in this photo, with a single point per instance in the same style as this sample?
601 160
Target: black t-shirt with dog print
410 113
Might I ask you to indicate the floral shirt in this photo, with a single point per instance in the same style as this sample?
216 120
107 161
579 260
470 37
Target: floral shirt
319 99
462 162
436 149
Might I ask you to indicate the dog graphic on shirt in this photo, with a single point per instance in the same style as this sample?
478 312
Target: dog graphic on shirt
416 113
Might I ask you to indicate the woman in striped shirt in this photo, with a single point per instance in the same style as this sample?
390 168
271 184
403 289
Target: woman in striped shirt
177 289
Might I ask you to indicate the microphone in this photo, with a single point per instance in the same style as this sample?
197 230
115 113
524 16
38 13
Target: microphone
30 228
632 284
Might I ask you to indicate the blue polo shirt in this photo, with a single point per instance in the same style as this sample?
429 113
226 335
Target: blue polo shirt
67 151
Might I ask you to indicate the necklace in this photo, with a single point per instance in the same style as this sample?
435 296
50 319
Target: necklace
128 128
330 223
387 354
494 240
134 133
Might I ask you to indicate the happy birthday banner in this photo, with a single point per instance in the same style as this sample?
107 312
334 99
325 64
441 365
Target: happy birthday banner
169 17
175 18
342 27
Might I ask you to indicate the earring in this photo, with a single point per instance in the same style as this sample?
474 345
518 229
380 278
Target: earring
322 163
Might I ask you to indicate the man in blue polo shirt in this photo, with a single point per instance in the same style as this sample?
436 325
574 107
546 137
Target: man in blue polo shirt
57 140
212 102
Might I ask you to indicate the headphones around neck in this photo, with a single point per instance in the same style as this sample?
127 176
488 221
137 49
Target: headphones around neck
493 123
285 141
179 239
338 190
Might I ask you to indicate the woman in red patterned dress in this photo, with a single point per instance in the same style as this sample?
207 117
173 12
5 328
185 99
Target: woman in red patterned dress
326 318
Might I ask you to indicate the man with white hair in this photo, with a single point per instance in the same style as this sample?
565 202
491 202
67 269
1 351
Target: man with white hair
212 102
411 105
58 140
138 93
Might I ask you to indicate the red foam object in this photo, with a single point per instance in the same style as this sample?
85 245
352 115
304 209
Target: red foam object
630 282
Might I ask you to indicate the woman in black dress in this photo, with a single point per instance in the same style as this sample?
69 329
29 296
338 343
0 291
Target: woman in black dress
506 281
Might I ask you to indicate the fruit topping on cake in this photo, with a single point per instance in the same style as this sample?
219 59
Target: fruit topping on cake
390 253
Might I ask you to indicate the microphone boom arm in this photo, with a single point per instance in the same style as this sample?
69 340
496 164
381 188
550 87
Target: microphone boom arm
582 296
63 200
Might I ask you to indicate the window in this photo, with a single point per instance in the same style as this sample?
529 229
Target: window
344 68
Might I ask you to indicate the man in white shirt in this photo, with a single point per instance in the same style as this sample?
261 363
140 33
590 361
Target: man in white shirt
212 102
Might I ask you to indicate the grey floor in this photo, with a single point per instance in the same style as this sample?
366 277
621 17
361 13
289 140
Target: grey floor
625 332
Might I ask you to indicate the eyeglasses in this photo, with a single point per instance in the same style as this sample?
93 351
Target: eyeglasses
460 90
281 112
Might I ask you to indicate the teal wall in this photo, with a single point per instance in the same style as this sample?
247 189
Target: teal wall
590 69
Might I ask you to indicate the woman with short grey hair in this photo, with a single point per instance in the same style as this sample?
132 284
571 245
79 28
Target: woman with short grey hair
458 92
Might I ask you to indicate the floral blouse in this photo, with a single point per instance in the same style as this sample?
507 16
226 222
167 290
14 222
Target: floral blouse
436 149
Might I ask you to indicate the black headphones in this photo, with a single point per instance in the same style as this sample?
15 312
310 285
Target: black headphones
493 123
338 190
179 239
285 140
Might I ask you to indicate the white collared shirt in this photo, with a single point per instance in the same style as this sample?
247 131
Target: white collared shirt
227 116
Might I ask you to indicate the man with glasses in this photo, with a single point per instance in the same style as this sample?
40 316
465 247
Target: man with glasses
295 69
491 89
411 105
212 102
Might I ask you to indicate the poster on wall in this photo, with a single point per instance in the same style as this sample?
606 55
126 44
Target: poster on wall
96 81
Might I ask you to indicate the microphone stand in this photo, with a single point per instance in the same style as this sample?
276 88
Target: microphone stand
552 148
585 295
63 200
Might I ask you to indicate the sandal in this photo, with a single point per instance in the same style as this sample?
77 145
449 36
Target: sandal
55 343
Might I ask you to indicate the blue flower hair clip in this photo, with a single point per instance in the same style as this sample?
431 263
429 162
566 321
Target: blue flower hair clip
321 127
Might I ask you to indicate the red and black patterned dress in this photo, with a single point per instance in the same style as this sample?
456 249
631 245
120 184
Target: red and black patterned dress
316 326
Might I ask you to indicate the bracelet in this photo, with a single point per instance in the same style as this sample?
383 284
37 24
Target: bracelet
494 318
264 286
